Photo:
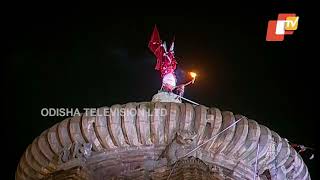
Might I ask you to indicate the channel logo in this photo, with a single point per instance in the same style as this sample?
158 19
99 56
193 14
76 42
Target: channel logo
286 24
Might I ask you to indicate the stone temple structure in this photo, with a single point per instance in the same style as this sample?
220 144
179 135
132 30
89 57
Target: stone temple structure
151 142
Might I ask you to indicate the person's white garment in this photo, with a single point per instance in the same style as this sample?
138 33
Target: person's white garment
169 79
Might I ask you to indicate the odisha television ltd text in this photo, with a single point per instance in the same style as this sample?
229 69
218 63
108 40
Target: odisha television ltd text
101 112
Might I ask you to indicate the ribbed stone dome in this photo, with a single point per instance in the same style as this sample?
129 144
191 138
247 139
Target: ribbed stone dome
134 146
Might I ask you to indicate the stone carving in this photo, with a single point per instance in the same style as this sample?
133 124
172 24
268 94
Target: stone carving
77 172
46 156
186 168
75 150
163 96
70 152
183 142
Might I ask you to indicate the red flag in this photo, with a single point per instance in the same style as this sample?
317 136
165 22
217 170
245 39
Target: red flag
166 62
156 48
155 40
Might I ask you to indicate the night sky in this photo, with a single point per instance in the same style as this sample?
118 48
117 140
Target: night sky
74 58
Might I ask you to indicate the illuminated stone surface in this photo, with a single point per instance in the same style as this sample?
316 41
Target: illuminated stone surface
129 146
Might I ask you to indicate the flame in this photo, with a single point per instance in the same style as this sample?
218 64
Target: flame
193 74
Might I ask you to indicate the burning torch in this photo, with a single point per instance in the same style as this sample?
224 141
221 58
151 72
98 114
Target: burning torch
193 75
180 88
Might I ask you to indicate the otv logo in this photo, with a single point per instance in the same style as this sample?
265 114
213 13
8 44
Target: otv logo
286 24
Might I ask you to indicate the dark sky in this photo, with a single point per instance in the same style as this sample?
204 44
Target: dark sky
74 58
